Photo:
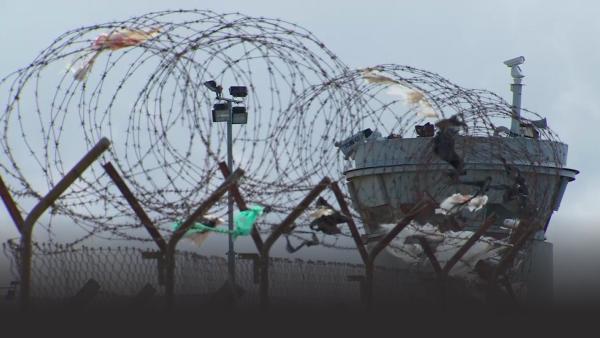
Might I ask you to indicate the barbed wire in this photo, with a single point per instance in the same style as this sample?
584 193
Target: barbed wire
139 82
149 99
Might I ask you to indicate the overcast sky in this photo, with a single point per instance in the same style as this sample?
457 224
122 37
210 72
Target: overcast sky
464 41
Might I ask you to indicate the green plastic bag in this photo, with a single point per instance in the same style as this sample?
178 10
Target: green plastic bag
243 221
199 228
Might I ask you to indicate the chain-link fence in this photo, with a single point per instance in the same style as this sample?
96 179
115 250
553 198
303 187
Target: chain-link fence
59 273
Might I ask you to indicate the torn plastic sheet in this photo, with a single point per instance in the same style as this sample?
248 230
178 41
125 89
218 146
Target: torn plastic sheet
198 237
244 223
304 243
456 202
413 98
321 212
444 245
120 38
511 223
199 232
326 218
244 220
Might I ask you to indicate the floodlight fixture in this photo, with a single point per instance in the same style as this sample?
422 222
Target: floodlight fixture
212 86
239 115
220 112
238 91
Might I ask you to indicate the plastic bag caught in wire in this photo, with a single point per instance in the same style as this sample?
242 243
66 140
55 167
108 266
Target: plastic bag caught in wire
200 231
326 218
122 38
118 39
457 202
244 223
414 98
244 220
305 243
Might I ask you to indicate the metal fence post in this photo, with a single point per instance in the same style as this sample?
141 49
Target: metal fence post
26 226
382 244
213 198
282 228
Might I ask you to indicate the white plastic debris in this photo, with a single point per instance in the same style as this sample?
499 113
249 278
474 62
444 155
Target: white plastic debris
456 202
214 218
120 38
322 211
82 66
477 202
199 237
371 76
123 37
444 245
414 99
511 223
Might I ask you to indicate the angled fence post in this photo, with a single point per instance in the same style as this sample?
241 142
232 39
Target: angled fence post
167 250
351 224
25 226
507 259
151 228
282 228
368 258
135 205
382 244
11 206
213 198
443 272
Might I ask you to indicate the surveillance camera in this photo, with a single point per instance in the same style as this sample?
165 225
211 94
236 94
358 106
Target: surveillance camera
515 61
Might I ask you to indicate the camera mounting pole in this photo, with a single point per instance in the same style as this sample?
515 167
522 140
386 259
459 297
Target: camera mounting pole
516 88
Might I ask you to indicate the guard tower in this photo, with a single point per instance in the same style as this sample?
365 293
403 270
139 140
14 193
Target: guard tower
388 176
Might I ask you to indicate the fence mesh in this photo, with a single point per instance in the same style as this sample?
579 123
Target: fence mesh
59 272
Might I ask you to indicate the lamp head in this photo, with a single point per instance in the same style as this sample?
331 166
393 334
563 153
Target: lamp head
212 86
238 91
